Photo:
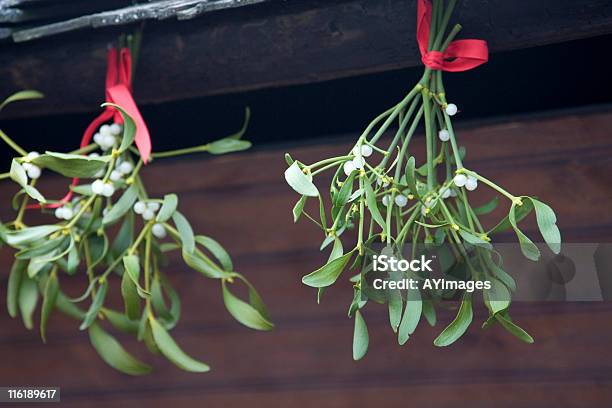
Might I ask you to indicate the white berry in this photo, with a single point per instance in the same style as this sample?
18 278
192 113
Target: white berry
471 183
97 187
98 138
140 207
153 206
148 214
125 167
34 172
460 180
401 200
115 175
27 166
453 192
116 129
159 231
32 155
59 212
105 130
108 190
348 168
444 135
451 109
67 213
358 162
94 155
385 200
366 151
444 192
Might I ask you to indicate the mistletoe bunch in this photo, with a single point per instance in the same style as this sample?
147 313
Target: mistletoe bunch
380 192
81 240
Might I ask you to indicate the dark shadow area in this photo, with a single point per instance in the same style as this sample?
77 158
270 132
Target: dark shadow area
559 76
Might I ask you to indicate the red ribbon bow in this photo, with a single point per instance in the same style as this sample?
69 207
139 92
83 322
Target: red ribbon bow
461 55
118 92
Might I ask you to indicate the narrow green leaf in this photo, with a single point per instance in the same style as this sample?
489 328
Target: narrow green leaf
204 265
168 208
298 208
114 354
14 284
124 237
244 312
120 321
71 165
172 351
474 240
217 250
373 205
185 232
547 223
28 298
300 182
95 306
498 296
49 298
131 264
458 326
21 96
360 337
513 328
18 173
29 235
122 206
488 207
129 128
131 300
228 145
327 274
412 315
519 214
528 248
395 305
410 176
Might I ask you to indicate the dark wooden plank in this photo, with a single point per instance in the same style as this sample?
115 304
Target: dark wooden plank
278 44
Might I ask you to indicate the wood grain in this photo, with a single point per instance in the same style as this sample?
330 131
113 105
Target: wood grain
306 361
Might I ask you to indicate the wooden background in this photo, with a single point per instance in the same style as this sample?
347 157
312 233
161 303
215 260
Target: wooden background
243 201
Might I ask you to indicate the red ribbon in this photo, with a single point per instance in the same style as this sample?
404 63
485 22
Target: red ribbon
118 92
461 55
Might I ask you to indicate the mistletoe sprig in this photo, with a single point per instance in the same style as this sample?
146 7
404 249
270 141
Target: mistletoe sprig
82 242
381 193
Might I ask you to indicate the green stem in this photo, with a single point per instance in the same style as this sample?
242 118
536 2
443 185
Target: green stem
12 144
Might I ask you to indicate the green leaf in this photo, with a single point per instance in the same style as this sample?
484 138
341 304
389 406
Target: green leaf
95 306
14 284
298 208
185 232
429 312
474 240
131 264
327 274
131 300
124 237
21 96
168 208
114 354
395 305
458 326
244 312
300 182
71 165
49 298
120 321
129 128
342 197
28 298
488 207
410 176
360 337
217 250
170 315
513 328
204 265
73 260
412 315
227 145
373 205
28 235
122 206
498 296
172 351
528 248
18 174
519 214
547 223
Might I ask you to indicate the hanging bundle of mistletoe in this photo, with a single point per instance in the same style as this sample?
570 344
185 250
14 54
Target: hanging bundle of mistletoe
81 240
381 193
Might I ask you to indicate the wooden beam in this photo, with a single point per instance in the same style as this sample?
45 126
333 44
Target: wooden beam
276 44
